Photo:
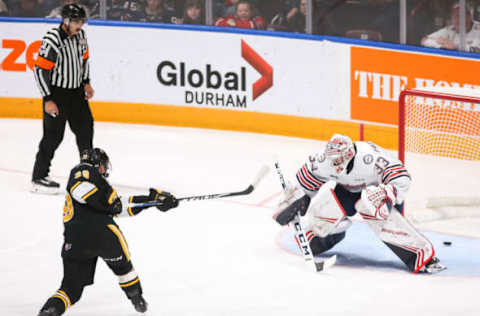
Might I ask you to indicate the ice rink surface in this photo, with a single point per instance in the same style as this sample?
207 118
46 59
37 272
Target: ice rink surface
224 257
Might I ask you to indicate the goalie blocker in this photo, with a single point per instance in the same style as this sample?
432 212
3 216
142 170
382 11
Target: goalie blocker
356 177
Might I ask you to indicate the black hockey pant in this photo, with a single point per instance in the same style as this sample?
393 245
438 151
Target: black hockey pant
79 262
75 110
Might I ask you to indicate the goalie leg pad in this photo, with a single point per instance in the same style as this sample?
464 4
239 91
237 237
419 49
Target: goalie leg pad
414 249
325 211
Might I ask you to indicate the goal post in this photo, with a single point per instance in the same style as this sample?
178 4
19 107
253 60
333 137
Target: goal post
442 122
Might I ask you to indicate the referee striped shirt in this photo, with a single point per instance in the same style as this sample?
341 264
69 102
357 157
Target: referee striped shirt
62 62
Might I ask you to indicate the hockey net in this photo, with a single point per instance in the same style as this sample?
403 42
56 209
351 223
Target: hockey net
443 124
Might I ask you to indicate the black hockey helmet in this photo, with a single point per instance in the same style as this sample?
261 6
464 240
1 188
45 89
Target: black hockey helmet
96 157
73 12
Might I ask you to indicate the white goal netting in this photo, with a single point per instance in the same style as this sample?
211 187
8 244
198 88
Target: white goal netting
440 143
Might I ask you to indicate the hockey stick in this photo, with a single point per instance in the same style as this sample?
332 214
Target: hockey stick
301 237
261 174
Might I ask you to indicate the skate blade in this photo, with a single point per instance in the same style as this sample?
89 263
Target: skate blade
436 269
40 189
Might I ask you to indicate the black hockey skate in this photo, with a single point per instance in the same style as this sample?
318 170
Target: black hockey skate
139 303
51 311
45 186
433 266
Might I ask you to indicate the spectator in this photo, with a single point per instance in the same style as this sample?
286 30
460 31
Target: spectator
170 4
156 11
275 12
449 36
122 10
193 12
229 7
93 7
3 9
27 8
57 12
297 18
243 18
423 17
218 8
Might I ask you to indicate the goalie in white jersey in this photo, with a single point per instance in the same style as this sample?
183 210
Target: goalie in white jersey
350 177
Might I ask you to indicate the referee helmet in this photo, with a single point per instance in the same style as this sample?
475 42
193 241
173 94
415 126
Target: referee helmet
73 12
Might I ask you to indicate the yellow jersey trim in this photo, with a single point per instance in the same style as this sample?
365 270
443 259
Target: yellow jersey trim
122 240
89 193
74 186
112 196
130 212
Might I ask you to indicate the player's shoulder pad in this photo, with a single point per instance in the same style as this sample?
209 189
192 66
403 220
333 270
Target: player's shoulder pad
367 152
85 172
319 166
318 158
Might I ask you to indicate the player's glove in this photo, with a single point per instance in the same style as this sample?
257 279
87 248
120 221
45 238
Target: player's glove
379 199
116 207
168 201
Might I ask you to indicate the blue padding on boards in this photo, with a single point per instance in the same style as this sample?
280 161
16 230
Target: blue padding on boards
361 248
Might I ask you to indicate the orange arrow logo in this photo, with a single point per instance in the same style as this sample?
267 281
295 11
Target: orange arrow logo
264 68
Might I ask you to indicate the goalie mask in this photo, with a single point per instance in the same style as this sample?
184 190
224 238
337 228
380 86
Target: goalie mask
339 152
98 158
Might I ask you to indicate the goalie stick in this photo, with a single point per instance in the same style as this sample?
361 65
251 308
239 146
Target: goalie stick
261 174
301 237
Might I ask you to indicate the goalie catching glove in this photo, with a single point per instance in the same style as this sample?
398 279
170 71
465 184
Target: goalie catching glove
378 201
166 199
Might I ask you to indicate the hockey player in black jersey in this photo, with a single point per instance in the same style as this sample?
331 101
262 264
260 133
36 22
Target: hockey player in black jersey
91 232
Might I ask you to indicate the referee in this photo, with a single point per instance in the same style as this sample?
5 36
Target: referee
62 75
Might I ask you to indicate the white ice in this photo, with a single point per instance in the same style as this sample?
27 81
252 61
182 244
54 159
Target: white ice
217 257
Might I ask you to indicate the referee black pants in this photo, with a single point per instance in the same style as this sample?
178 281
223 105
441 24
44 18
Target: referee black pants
74 109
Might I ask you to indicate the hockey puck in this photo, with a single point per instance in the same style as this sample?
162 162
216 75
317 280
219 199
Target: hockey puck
447 243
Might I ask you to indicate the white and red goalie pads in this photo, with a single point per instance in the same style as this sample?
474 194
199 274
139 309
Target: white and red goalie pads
325 212
414 249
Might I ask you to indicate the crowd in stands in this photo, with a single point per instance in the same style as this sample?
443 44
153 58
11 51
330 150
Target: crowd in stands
429 22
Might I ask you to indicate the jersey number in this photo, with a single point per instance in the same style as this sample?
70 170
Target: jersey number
381 164
313 164
67 208
83 173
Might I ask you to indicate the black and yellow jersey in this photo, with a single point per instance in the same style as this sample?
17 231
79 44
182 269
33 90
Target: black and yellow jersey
88 196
